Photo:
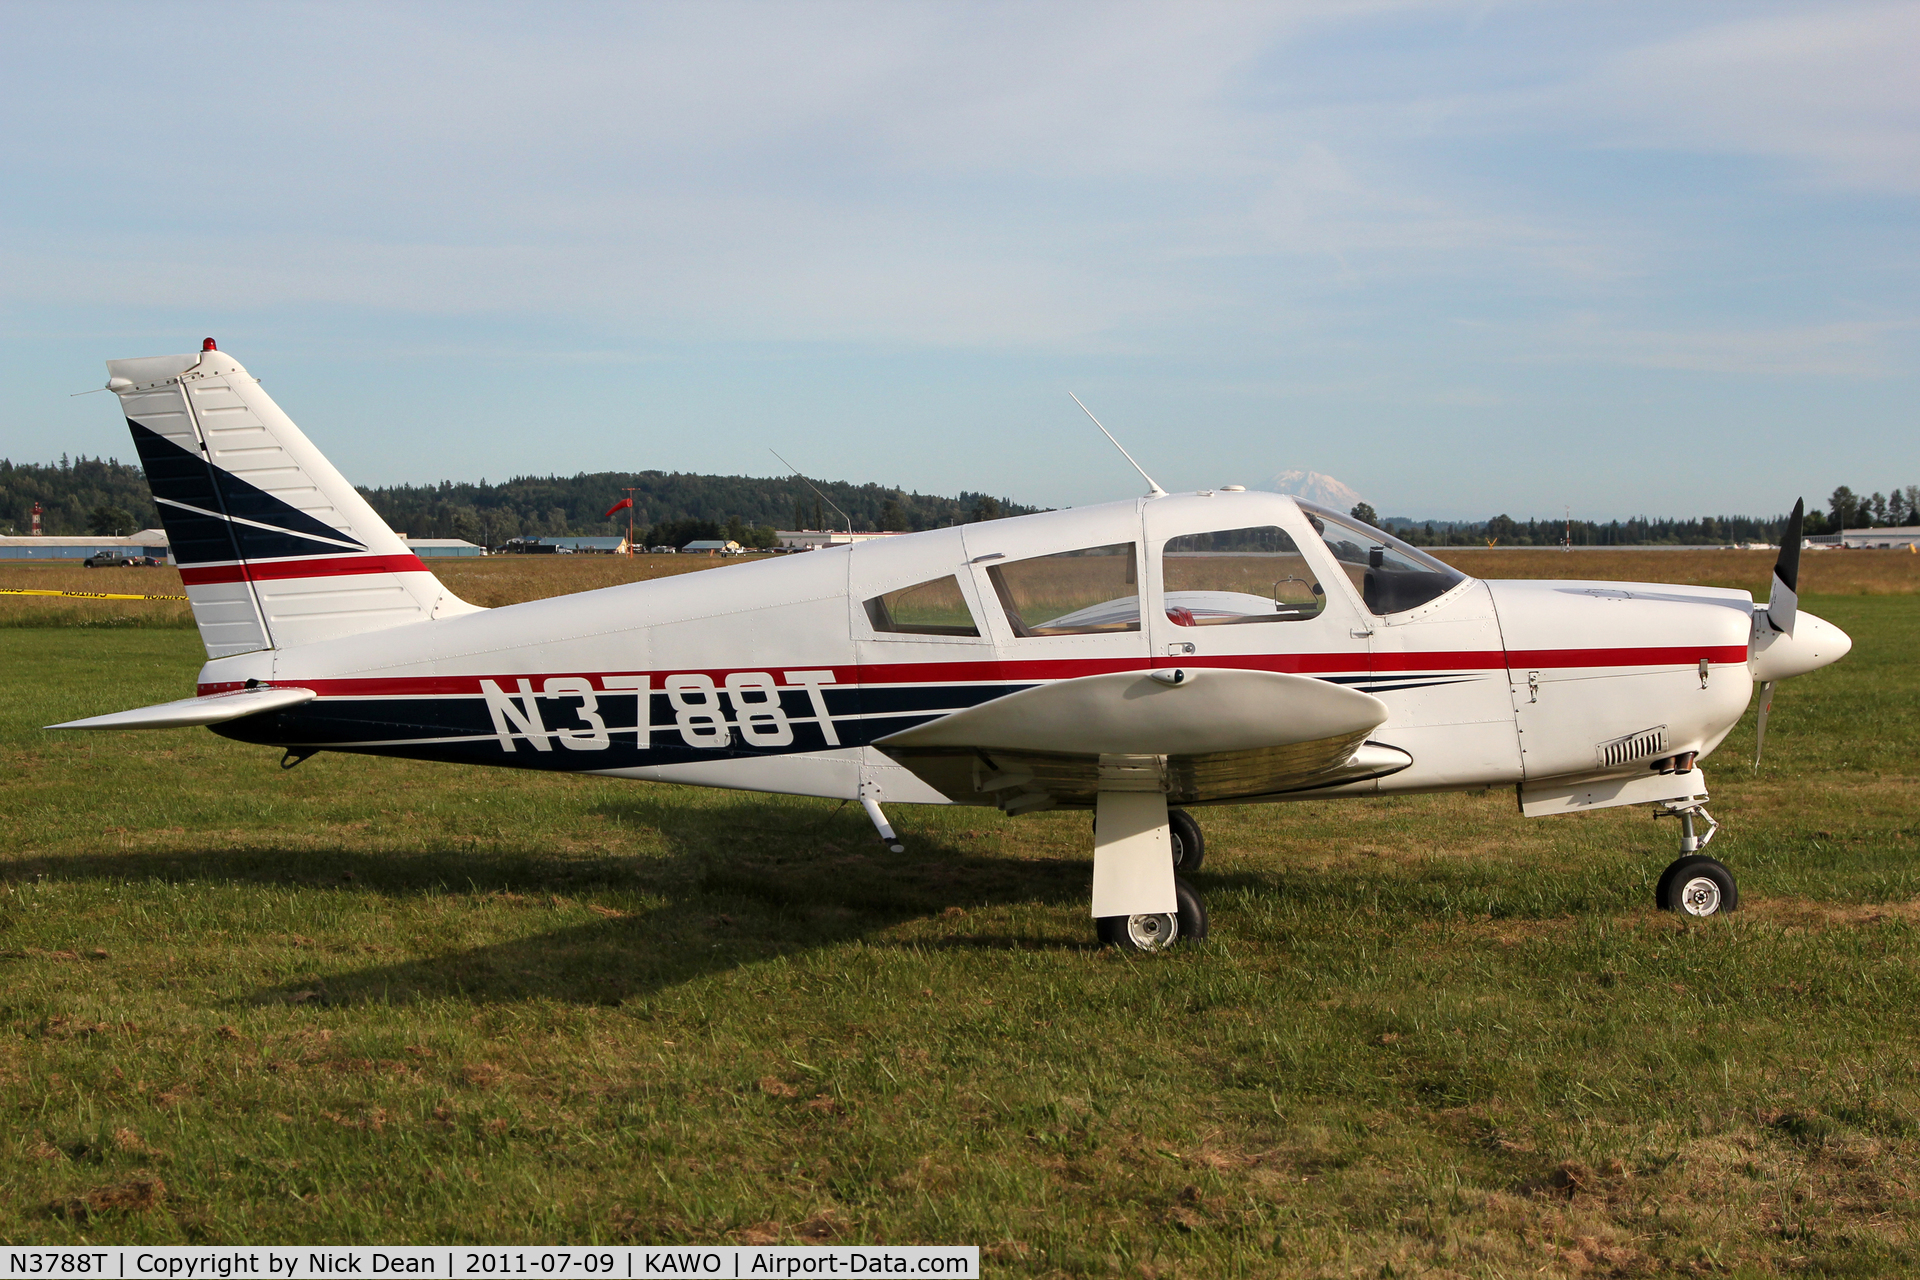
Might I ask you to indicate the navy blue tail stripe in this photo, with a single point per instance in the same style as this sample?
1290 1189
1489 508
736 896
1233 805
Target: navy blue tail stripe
177 475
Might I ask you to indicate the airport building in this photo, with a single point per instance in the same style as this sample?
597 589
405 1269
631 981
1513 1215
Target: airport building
1902 539
153 543
148 542
809 539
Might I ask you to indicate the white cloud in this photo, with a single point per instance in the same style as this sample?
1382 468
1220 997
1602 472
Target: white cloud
1835 89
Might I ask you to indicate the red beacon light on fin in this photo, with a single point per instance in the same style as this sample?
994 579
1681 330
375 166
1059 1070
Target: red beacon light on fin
208 345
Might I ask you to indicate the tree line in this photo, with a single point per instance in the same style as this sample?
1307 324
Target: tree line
85 495
672 507
82 495
77 496
1844 510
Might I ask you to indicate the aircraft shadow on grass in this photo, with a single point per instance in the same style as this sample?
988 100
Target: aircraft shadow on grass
739 884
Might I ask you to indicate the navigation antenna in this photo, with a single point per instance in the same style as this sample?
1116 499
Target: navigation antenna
1153 486
816 488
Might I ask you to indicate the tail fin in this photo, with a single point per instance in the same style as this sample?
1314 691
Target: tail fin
275 547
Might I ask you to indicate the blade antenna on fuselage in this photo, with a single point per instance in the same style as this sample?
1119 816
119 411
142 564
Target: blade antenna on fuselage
816 488
1153 486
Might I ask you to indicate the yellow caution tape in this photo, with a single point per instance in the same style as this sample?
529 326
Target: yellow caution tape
81 595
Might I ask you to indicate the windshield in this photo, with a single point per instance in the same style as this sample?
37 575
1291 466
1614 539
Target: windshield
1391 576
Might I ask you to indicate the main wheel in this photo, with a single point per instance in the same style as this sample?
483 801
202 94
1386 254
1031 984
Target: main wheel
1697 886
1189 846
1157 931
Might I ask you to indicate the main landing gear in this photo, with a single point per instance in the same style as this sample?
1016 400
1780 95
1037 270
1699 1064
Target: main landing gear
1138 844
1157 930
1694 884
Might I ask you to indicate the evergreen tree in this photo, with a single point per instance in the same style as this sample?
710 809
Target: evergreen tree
1845 508
110 522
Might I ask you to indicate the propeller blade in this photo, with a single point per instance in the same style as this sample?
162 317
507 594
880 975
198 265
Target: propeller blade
1760 731
1783 605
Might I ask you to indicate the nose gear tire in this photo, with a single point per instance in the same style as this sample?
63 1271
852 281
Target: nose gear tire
1697 886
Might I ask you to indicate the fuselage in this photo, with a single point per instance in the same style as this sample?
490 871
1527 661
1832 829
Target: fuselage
781 675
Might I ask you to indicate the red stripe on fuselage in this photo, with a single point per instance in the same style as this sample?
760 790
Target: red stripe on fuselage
279 570
1030 672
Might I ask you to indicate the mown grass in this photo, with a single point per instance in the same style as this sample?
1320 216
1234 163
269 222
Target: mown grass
377 1000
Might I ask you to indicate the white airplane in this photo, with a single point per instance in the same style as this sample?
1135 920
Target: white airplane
1218 647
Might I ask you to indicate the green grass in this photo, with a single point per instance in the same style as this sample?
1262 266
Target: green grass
373 1000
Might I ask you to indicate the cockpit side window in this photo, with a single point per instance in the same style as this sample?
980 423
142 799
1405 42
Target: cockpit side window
1071 593
932 608
1236 576
1391 576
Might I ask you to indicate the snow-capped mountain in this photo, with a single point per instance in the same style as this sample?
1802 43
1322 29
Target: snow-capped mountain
1315 487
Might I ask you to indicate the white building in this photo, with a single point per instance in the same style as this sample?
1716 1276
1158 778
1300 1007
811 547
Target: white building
808 539
1906 538
426 547
153 542
148 542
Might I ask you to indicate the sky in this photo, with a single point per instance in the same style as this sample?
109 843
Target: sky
1469 258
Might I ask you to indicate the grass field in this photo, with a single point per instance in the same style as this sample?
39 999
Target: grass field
370 1000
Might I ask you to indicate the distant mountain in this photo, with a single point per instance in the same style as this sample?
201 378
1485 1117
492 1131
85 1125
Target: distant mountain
1315 487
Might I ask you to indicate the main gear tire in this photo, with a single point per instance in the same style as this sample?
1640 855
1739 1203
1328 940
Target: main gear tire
1153 932
1189 846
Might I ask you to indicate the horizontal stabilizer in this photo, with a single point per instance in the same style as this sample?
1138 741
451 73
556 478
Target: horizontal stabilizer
216 708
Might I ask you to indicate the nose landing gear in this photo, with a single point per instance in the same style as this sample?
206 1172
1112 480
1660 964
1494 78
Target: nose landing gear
1694 884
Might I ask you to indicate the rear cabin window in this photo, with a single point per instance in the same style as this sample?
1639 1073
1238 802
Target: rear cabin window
1071 593
1392 577
1238 575
931 608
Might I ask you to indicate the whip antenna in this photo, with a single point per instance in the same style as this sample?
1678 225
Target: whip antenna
816 488
1153 486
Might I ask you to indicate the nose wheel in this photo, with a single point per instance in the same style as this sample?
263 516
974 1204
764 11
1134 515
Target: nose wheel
1697 886
1694 884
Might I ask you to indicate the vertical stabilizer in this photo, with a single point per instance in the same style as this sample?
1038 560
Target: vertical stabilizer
275 547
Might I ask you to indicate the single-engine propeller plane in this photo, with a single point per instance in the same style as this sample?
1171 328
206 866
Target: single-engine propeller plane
1138 659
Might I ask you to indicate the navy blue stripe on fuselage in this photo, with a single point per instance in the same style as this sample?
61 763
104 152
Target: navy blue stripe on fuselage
560 737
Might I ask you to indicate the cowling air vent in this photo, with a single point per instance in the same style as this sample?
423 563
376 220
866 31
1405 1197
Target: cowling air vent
1644 745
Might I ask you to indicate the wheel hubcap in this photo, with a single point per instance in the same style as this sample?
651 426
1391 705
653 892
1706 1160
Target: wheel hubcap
1700 896
1152 932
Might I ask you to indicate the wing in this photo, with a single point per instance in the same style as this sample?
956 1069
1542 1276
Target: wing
1210 735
